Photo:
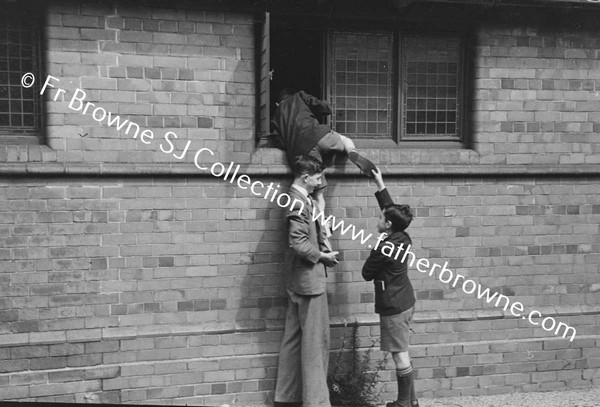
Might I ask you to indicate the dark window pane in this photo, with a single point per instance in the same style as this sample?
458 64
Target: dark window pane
431 66
19 53
361 71
28 120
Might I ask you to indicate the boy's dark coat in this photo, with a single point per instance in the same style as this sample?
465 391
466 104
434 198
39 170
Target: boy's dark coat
294 125
393 290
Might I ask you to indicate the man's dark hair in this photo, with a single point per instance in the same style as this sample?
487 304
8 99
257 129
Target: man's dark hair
399 215
285 92
304 164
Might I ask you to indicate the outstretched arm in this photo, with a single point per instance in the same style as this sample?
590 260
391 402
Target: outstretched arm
316 105
383 196
378 179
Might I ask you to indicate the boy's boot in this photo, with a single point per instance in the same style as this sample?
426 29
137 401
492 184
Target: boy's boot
405 382
365 165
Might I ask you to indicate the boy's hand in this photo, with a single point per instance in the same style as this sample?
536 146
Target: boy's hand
329 259
378 179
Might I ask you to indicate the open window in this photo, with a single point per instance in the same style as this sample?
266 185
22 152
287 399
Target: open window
264 81
387 86
290 57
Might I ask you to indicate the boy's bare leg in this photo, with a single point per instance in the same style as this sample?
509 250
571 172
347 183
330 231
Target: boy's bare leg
401 360
365 165
348 143
319 196
405 377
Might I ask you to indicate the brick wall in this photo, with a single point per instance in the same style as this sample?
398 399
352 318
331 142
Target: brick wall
167 297
186 71
131 276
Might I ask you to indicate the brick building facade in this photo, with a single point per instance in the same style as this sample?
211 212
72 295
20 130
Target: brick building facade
131 275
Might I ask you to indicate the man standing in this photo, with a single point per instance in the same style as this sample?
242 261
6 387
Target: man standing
304 353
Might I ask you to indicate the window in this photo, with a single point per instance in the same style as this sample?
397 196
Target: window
362 87
386 86
428 71
431 91
20 116
289 56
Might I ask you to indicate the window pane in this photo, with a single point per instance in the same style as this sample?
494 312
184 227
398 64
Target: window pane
19 54
431 69
361 70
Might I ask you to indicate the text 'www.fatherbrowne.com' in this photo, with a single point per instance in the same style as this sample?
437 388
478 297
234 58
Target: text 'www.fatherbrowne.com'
78 102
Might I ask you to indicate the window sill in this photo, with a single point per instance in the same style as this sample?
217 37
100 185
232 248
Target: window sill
11 140
272 162
362 143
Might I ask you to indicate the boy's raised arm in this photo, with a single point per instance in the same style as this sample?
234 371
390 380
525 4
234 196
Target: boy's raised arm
317 105
378 179
383 196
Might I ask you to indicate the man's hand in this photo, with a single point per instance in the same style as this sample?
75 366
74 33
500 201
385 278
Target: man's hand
328 258
378 179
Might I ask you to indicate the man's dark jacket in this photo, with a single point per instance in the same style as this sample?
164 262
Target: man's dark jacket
393 290
294 125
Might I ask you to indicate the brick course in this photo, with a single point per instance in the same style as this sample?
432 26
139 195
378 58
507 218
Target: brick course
143 304
156 282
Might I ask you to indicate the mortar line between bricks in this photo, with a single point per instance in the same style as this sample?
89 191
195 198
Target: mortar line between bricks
502 341
5 339
139 363
421 170
231 357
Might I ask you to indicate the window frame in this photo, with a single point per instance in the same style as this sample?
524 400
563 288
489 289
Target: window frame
263 88
462 89
33 135
398 28
393 117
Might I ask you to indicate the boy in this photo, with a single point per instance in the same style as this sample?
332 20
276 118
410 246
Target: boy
394 295
295 128
304 353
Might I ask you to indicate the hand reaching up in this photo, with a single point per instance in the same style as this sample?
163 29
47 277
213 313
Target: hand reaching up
378 179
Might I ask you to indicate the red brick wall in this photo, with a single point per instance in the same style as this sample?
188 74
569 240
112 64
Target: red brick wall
131 276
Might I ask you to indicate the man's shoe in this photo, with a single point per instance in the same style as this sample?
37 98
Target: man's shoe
397 403
365 165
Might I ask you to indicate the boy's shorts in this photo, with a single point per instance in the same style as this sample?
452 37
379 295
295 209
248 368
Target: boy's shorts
325 151
326 148
395 331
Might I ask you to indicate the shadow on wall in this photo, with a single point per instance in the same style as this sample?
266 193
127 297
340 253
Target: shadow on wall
262 288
